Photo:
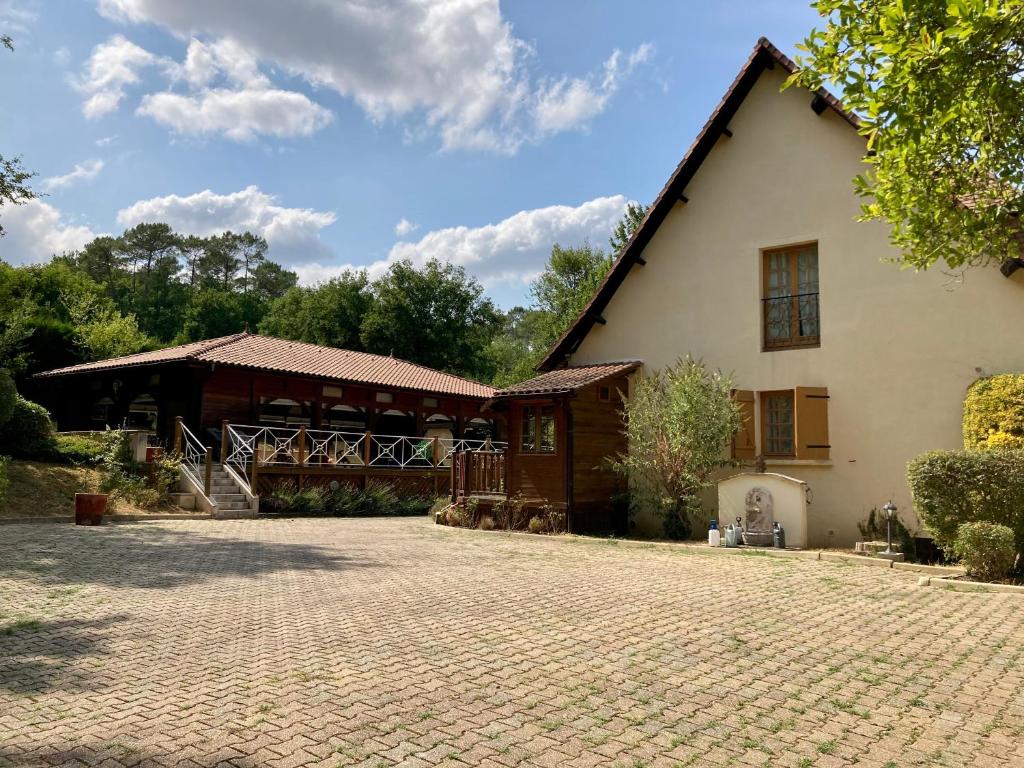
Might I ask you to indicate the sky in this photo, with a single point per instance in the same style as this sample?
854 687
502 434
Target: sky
352 133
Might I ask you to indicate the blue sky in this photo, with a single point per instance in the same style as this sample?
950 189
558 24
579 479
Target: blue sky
359 132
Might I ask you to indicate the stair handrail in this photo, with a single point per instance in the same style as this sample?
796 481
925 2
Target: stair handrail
196 458
239 452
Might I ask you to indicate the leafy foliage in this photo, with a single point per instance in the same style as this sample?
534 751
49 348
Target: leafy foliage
678 424
939 89
627 225
330 313
88 450
994 413
986 550
436 316
14 189
28 434
8 396
955 487
376 500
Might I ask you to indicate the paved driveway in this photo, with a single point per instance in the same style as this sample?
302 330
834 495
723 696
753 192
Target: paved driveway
384 642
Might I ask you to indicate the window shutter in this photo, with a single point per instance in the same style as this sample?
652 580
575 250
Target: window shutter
743 446
812 423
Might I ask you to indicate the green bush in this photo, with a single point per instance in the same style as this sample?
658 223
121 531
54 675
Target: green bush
79 449
986 550
8 395
376 500
28 434
994 413
951 488
537 524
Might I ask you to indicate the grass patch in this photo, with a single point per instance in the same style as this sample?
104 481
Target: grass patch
23 624
827 747
40 489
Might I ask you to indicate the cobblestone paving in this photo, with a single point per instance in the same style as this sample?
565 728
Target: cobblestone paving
392 642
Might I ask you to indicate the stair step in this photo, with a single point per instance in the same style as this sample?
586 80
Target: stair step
228 496
233 506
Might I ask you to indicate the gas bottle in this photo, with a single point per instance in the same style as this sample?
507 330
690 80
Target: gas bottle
714 535
779 536
731 535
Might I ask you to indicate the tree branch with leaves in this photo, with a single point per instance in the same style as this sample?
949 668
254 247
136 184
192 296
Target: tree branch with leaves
937 85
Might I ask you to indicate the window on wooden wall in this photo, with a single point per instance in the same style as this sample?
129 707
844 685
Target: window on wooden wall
537 429
789 299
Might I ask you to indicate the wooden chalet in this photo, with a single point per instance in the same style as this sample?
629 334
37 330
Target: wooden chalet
563 426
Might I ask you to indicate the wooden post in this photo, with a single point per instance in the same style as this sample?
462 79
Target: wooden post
223 441
367 448
436 451
177 434
208 478
302 445
255 464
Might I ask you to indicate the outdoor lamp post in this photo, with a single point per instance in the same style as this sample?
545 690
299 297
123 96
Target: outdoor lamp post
890 510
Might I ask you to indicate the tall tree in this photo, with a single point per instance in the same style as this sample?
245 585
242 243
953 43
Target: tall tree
436 316
221 263
148 247
939 88
252 252
272 281
331 313
627 225
567 283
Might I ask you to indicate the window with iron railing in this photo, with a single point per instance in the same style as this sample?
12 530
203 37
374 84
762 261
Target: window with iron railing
789 303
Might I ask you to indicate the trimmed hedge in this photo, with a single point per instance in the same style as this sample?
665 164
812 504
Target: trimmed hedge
994 413
951 488
28 434
986 550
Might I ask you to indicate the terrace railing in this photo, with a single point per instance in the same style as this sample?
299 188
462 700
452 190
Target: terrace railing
247 448
478 472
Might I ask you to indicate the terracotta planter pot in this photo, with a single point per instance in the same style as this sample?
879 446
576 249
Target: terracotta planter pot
153 454
89 508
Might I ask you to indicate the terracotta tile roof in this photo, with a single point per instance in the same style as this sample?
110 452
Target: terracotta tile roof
565 380
265 353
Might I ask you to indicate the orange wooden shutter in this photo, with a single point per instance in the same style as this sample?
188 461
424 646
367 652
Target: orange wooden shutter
743 446
812 423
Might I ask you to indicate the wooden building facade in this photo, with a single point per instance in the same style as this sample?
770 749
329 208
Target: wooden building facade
563 427
263 381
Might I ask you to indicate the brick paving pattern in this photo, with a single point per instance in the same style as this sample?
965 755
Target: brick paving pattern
392 642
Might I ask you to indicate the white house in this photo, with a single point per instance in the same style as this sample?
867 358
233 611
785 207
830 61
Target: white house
751 258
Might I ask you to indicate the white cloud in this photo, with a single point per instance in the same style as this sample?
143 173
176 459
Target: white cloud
228 94
62 56
36 231
453 68
510 252
113 66
86 171
515 249
106 141
292 233
405 227
238 115
569 103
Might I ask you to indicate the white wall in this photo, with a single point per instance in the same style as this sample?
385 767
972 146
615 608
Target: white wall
898 348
